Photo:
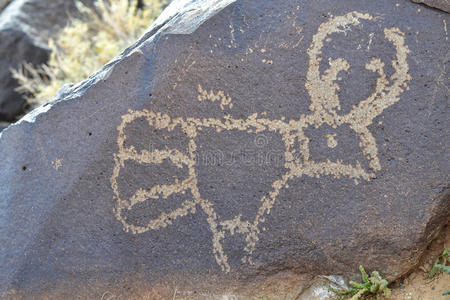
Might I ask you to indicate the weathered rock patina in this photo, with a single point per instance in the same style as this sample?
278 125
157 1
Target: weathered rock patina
238 148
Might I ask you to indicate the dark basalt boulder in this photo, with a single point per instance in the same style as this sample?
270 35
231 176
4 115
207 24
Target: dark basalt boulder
239 148
3 4
439 4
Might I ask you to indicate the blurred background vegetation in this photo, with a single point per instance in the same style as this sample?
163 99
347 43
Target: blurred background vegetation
87 43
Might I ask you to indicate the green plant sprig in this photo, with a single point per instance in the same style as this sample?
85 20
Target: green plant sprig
440 265
373 284
440 260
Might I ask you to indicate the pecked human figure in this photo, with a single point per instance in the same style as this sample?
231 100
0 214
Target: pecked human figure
238 148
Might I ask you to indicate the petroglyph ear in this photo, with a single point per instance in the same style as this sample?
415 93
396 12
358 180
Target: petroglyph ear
158 174
387 93
387 90
322 87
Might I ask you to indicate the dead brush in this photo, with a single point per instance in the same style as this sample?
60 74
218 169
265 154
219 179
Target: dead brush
86 44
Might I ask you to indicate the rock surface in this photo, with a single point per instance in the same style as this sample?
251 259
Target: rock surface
4 125
25 27
3 4
439 4
238 148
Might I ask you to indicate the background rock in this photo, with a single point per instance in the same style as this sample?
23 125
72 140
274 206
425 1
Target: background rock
3 125
247 87
440 4
3 4
25 27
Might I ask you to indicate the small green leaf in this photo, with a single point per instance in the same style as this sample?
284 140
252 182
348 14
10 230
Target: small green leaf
446 269
364 275
387 292
358 295
434 269
339 292
446 252
358 285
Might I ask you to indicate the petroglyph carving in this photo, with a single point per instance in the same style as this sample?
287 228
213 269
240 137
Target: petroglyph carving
324 107
57 163
220 96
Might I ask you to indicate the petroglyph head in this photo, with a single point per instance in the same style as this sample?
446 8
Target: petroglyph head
323 89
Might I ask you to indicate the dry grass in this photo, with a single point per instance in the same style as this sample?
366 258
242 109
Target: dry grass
86 44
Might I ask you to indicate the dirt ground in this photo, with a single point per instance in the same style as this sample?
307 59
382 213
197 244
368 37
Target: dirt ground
417 285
